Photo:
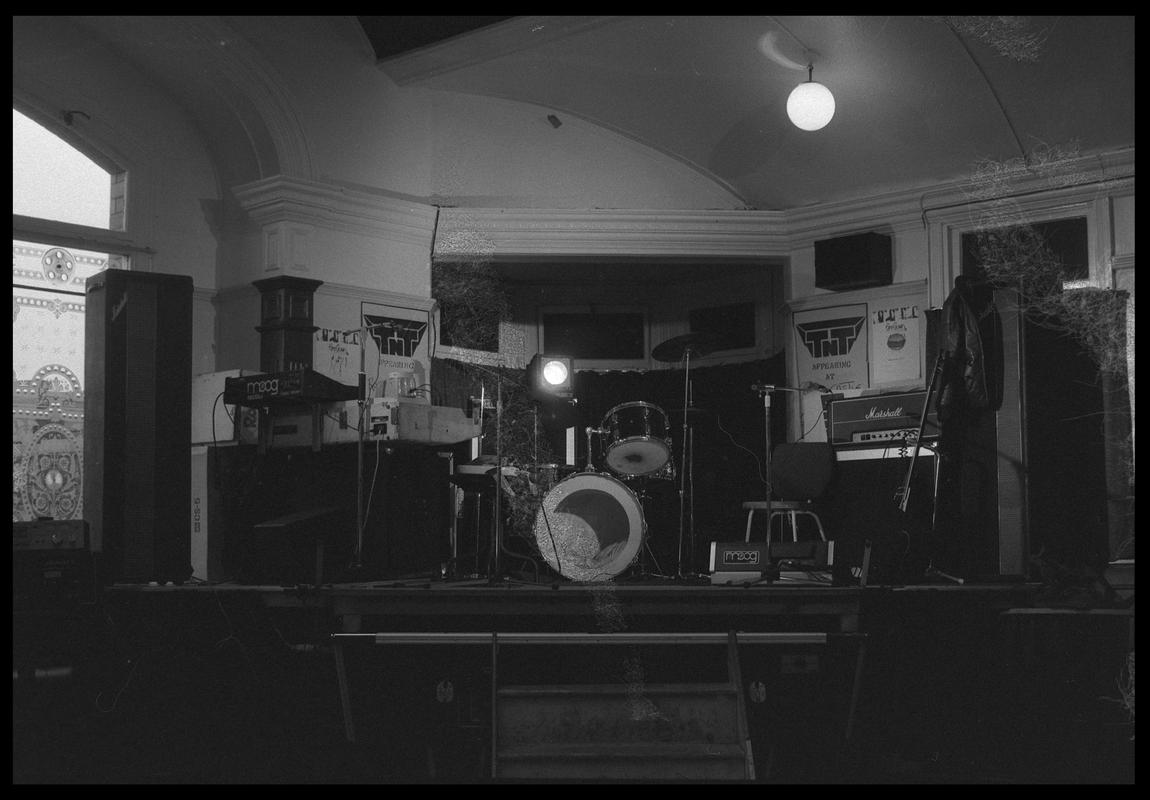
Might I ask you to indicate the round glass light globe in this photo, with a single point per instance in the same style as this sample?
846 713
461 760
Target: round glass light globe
811 106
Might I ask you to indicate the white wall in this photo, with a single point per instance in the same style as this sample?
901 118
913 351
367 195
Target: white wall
368 164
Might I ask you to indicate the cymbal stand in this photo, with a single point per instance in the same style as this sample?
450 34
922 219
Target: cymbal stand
685 471
691 482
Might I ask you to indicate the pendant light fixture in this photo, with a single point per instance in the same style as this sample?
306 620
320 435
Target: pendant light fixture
810 105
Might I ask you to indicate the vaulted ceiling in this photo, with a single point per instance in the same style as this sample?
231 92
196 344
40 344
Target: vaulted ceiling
919 100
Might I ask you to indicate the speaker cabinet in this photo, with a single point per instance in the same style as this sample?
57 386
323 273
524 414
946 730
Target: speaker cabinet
853 262
137 425
862 505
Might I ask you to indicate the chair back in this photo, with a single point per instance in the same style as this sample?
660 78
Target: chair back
801 470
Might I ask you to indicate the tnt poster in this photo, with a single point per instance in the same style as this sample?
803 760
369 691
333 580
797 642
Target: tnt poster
831 347
396 349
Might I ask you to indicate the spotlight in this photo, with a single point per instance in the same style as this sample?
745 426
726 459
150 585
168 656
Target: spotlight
551 377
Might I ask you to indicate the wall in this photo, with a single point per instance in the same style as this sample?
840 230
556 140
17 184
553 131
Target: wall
358 177
174 197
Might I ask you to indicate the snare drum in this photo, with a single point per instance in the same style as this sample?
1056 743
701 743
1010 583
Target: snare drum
637 439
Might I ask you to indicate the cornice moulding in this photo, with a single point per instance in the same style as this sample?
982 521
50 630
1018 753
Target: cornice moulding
282 199
509 233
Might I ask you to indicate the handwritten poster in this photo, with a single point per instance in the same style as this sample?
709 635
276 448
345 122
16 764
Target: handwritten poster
895 342
831 347
335 353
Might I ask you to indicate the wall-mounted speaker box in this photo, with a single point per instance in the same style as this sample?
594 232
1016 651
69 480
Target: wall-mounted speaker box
853 262
137 425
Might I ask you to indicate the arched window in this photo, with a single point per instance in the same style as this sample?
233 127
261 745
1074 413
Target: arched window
67 214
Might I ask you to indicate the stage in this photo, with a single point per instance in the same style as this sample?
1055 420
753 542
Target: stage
397 681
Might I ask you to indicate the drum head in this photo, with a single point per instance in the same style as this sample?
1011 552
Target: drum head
640 455
589 527
637 439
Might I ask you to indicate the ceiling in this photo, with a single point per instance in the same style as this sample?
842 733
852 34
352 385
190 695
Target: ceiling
919 100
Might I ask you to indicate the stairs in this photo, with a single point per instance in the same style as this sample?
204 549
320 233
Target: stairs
629 730
666 732
624 731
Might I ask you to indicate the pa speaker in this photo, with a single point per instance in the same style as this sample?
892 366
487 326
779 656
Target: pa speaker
137 425
853 262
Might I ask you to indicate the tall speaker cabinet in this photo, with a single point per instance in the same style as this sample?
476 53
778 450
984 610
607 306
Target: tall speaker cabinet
137 425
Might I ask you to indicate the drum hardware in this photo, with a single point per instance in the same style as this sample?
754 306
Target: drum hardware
590 450
672 350
646 550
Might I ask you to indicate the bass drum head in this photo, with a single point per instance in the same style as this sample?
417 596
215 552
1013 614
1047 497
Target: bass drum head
589 527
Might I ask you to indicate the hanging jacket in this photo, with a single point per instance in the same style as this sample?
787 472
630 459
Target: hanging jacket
966 380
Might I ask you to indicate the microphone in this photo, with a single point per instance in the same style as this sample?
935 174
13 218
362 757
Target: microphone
762 387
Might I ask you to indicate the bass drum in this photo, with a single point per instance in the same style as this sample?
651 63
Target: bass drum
589 527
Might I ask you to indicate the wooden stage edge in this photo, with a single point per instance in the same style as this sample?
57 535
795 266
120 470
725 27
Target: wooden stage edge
481 604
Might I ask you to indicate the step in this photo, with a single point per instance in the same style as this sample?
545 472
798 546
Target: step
659 761
614 714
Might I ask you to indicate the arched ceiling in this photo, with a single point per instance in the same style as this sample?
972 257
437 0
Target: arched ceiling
919 100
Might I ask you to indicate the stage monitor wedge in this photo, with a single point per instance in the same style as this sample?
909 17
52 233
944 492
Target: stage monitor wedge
137 425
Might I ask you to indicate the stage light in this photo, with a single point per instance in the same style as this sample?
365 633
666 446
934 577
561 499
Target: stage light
551 377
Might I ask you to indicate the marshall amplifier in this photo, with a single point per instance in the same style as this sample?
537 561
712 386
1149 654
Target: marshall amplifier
875 419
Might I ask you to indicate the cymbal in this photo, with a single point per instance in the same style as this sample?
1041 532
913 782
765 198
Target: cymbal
698 344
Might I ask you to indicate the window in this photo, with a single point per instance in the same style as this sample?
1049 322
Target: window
59 196
613 335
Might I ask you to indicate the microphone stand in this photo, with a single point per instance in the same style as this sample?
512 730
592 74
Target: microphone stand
357 556
497 527
363 402
765 389
903 493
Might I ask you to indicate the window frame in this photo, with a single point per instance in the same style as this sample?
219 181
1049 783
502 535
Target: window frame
598 363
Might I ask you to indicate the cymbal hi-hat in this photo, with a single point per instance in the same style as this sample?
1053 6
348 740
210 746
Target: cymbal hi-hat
697 344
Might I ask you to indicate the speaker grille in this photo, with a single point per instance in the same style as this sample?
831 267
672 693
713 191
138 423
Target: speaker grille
137 419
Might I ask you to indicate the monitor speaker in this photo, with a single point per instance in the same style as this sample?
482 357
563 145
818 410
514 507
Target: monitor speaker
137 425
853 262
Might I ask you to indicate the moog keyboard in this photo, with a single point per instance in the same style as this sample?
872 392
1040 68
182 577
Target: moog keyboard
291 386
878 419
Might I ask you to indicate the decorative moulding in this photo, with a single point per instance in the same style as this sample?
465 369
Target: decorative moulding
358 293
467 234
325 205
354 293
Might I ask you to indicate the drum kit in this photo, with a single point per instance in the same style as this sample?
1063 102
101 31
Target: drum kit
591 525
